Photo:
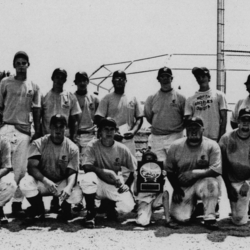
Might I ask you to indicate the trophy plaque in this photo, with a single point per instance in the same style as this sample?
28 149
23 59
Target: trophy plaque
150 177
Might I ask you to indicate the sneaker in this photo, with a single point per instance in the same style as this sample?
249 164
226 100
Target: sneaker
4 220
89 221
16 208
78 207
211 224
172 225
33 215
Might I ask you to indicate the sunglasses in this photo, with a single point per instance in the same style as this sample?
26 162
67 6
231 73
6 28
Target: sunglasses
21 63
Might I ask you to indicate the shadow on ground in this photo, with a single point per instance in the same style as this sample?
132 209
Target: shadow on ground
127 223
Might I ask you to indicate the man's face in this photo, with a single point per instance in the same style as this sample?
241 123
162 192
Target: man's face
194 134
119 83
165 79
82 83
108 133
244 124
201 78
248 87
21 65
57 132
59 79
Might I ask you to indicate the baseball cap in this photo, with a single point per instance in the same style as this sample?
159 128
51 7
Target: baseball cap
202 70
164 71
248 80
21 54
58 118
244 113
197 121
107 122
59 71
81 75
119 73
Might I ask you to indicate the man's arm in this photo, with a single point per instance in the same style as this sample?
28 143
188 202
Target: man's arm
223 124
131 133
37 125
73 126
71 180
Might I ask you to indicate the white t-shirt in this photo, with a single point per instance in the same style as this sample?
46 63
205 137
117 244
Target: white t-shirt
207 105
165 111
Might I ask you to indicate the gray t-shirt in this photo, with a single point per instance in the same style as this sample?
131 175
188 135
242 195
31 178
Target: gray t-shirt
112 158
55 159
235 156
165 111
207 105
181 157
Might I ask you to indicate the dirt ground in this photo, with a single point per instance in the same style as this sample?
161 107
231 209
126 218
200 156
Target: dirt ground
52 234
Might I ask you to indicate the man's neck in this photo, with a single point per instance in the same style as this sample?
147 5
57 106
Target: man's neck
165 90
119 91
107 142
57 89
204 87
82 92
21 77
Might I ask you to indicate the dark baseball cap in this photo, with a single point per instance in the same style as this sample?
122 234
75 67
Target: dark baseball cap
119 73
201 70
244 113
196 121
107 122
81 75
58 118
59 71
248 80
21 54
165 71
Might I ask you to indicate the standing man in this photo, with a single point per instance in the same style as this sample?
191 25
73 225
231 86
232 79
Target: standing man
193 163
59 101
164 110
88 104
103 180
235 148
20 98
52 170
125 110
208 104
7 183
242 103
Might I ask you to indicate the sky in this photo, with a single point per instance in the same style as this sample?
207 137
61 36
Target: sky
82 35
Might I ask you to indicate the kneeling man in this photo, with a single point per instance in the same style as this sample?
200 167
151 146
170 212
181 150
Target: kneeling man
103 162
235 148
193 163
52 170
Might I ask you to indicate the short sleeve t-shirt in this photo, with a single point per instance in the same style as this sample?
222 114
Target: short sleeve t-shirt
112 158
181 157
55 159
122 108
17 98
236 156
165 111
5 153
207 105
88 104
241 104
53 103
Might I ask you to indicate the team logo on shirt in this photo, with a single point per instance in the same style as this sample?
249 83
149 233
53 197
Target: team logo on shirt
64 158
30 93
66 104
173 103
117 162
131 104
91 106
203 102
202 163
